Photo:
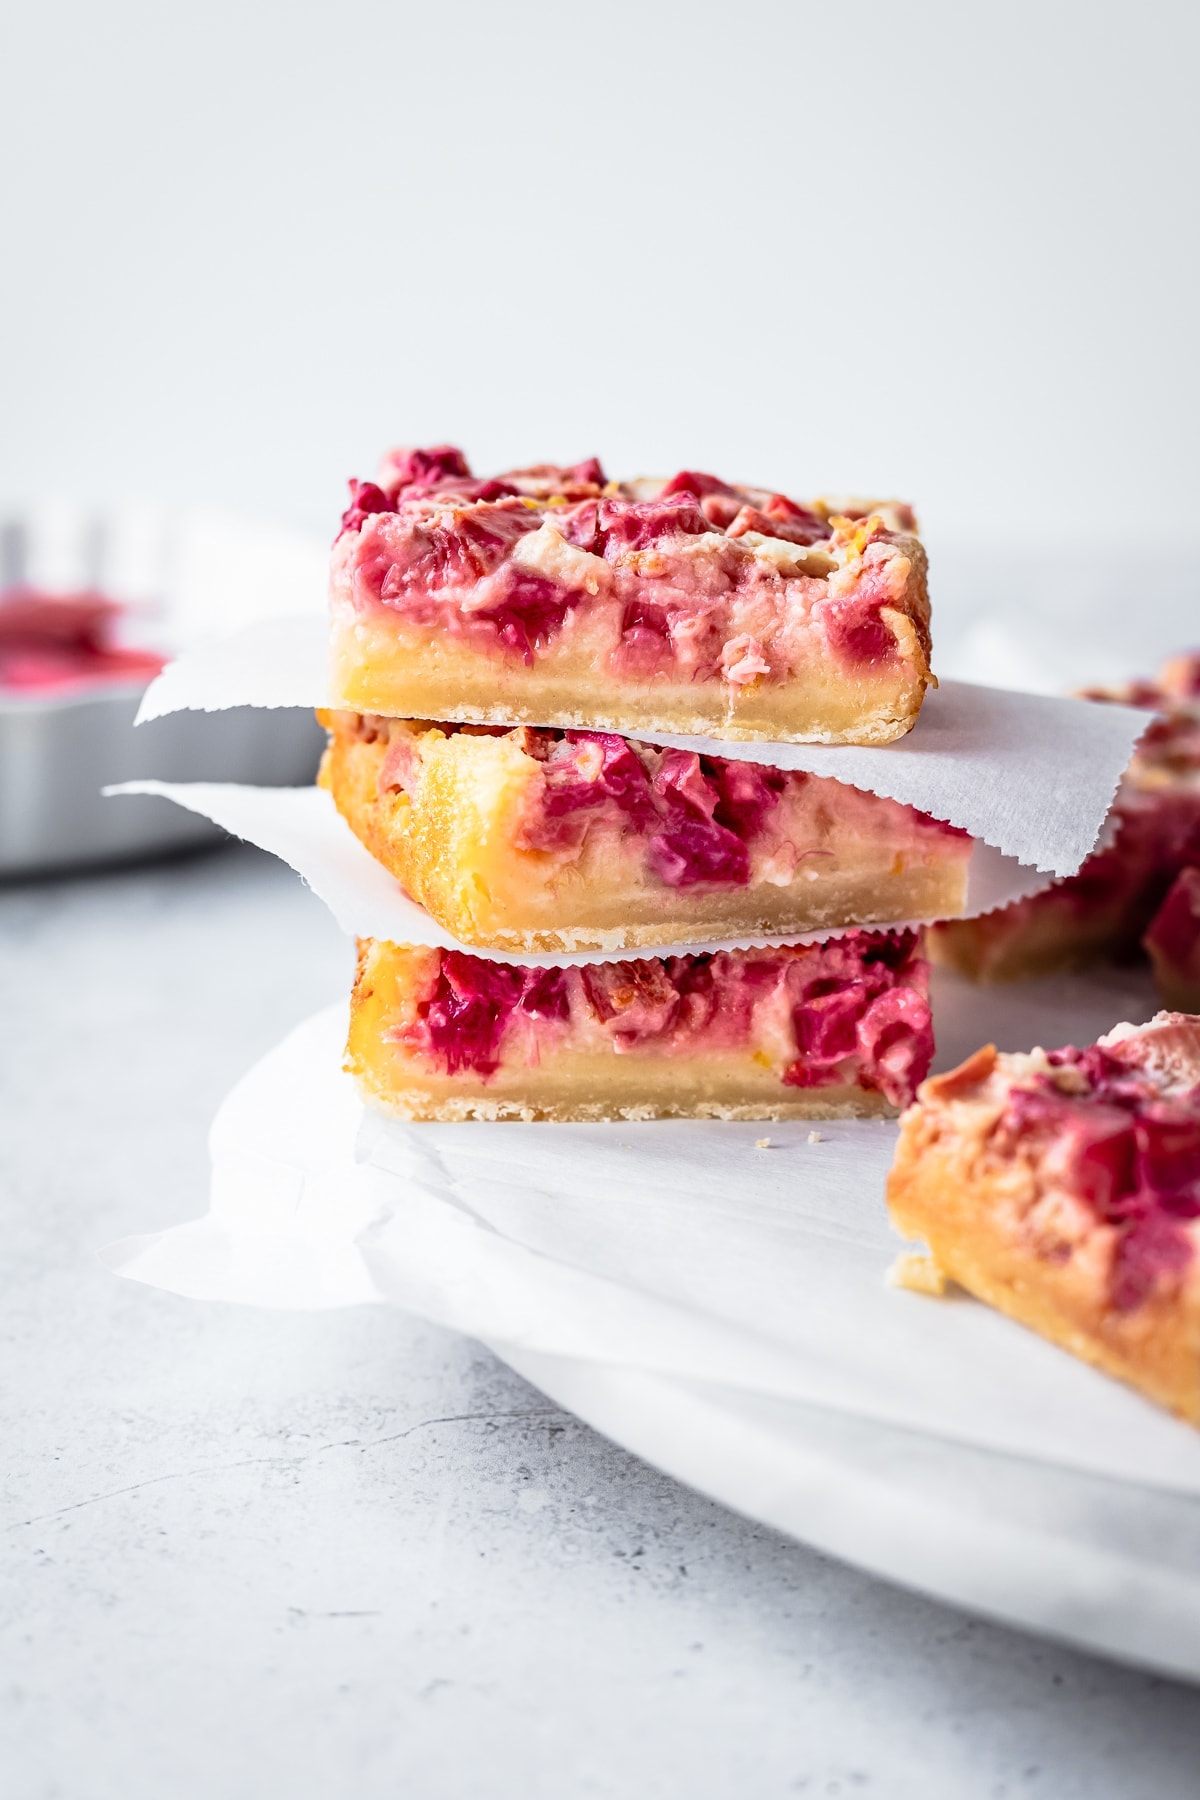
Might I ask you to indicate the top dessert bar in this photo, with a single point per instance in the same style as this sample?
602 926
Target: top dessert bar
551 596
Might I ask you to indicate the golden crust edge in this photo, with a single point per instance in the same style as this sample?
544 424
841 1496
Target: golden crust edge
885 726
417 1105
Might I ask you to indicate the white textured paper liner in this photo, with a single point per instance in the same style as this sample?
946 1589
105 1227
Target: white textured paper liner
303 827
678 1247
1032 774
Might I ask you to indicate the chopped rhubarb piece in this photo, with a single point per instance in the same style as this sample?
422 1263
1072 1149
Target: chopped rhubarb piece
365 499
637 524
699 486
587 473
780 518
424 468
464 1017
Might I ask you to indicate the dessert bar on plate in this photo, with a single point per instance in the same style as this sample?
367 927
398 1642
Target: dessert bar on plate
821 1031
1063 1187
552 840
552 596
1103 911
1173 943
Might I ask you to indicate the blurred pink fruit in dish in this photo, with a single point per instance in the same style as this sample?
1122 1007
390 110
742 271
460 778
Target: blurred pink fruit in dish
56 643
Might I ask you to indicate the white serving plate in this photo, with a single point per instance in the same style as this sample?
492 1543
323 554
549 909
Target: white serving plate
1108 1566
935 1444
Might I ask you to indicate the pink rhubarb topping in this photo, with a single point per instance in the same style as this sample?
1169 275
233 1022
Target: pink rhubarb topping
1117 1133
852 1010
693 578
701 817
698 819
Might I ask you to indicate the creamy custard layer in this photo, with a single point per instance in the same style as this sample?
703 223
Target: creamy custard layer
546 840
386 667
694 605
830 1031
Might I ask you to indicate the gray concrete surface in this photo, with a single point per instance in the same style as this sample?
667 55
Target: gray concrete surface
251 1554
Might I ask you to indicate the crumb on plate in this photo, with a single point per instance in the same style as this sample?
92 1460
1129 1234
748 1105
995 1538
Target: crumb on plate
917 1271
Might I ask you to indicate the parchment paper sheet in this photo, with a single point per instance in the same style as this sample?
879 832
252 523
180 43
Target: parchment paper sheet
304 829
1030 773
680 1247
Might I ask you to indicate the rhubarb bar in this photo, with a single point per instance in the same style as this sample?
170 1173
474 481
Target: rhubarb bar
1063 1188
827 1031
1173 944
553 840
1102 912
552 596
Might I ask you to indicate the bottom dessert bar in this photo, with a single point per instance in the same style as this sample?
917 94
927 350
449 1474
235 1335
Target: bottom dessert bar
1173 944
832 1030
1063 1188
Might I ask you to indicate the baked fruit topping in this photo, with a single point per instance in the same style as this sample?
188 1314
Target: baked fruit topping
550 595
1063 1187
821 1031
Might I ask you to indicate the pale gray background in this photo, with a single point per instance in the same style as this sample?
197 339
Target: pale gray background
945 250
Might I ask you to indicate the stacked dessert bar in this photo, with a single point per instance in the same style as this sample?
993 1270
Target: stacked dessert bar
513 662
